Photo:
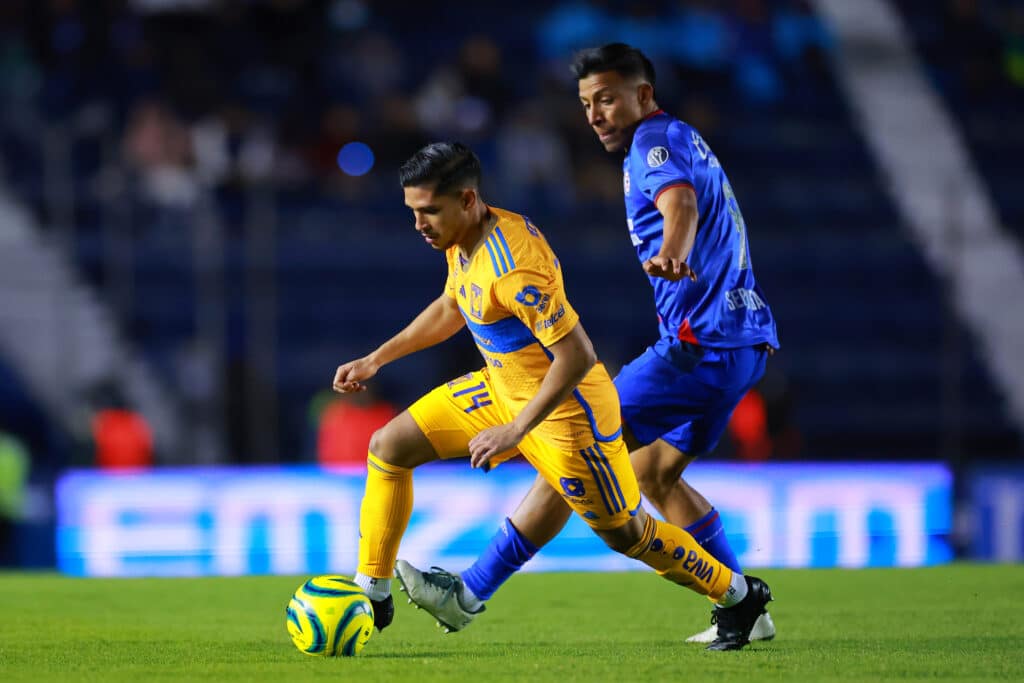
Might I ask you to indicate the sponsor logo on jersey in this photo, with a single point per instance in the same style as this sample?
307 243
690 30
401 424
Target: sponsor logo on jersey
529 296
703 149
657 156
625 182
550 322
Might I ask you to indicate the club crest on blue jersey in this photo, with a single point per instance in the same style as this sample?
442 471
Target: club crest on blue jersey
476 301
657 156
625 182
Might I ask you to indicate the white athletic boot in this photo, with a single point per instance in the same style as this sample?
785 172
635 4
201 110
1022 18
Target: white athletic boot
439 593
764 629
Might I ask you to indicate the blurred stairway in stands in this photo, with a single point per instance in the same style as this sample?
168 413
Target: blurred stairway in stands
934 183
61 339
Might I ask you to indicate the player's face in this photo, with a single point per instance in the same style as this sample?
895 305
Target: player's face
442 219
614 105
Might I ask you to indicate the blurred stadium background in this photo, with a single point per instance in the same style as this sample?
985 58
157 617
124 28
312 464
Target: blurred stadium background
200 219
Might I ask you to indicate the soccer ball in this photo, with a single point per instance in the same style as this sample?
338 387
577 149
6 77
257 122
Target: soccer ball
329 616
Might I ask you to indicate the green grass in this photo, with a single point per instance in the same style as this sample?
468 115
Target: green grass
959 622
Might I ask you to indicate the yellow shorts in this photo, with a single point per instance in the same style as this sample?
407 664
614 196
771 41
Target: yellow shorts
597 482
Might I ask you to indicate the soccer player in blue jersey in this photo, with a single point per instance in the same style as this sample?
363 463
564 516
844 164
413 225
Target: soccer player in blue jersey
716 331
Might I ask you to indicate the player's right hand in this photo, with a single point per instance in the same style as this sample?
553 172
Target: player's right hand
350 376
668 268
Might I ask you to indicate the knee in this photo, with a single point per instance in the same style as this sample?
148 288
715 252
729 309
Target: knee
657 476
385 445
624 538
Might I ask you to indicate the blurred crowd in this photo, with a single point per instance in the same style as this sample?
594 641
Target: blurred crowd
227 92
974 49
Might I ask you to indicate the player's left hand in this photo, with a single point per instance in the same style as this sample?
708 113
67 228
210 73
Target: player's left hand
491 442
668 268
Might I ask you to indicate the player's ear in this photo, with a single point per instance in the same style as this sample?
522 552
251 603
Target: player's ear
645 94
469 198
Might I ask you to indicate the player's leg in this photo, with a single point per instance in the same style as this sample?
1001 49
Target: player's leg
537 520
614 512
456 599
676 401
660 468
394 451
437 426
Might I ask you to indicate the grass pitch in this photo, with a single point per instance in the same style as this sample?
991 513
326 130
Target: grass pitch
959 622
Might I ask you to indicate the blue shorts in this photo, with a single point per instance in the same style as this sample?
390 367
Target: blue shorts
685 394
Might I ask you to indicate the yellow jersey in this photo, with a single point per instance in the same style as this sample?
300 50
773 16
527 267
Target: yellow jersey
511 294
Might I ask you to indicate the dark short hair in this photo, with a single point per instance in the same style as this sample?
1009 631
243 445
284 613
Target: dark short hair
448 166
618 57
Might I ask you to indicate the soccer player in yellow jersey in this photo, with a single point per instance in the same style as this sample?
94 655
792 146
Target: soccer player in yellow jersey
542 393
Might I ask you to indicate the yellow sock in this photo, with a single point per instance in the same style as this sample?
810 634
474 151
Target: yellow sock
674 554
383 516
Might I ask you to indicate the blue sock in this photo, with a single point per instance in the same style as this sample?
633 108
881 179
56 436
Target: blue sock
507 553
709 532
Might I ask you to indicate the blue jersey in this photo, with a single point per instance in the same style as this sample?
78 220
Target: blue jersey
724 308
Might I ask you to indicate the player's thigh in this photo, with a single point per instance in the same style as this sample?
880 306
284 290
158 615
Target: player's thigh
597 482
456 411
658 462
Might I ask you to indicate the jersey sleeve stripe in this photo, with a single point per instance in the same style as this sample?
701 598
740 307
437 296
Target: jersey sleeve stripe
505 249
494 259
670 185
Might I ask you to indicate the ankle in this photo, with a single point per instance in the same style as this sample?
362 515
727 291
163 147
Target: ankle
375 589
736 591
470 602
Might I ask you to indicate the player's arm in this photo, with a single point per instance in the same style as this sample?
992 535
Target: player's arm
436 323
572 358
678 207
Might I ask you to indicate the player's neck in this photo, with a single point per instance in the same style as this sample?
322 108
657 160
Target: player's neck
652 109
477 232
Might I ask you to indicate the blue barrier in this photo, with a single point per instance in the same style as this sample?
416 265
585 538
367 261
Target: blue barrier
997 519
303 520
